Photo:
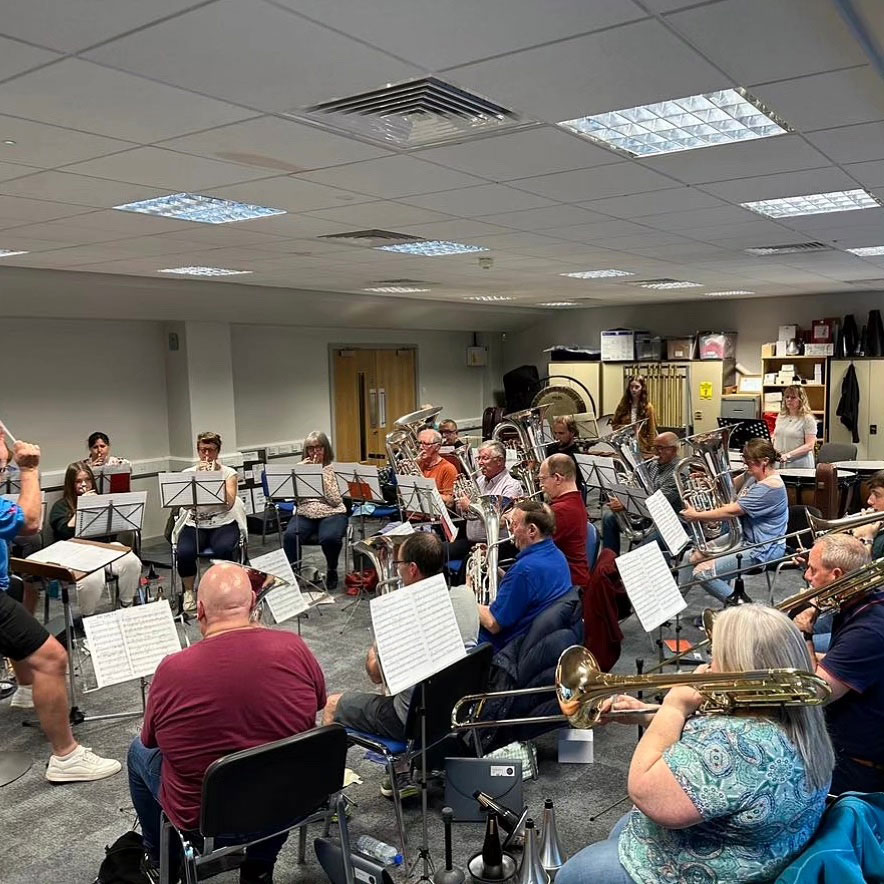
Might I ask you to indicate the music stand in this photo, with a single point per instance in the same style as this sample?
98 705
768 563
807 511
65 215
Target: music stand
276 588
10 481
113 478
599 472
102 515
744 430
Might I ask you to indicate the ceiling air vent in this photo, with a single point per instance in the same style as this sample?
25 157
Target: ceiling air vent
790 249
371 238
413 114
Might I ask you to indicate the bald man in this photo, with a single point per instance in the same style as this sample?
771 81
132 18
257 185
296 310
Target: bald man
241 686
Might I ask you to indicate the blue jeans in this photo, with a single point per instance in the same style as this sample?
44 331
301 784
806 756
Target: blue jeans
597 863
145 768
717 586
328 533
611 535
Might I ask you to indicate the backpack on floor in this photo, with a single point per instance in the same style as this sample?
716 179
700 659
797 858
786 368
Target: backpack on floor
122 861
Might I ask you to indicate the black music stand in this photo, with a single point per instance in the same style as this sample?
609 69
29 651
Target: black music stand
744 430
113 478
103 515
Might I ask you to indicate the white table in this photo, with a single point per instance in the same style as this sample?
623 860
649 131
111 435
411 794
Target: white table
860 466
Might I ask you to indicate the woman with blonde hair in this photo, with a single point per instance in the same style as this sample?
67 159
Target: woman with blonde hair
719 797
795 433
634 406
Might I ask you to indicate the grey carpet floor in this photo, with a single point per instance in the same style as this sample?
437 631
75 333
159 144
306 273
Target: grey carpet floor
58 833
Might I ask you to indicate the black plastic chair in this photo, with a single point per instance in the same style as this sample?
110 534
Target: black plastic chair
272 788
832 452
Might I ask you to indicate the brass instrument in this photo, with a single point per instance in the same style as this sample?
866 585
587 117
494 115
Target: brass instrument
704 481
381 549
527 425
581 687
206 465
481 566
403 448
466 484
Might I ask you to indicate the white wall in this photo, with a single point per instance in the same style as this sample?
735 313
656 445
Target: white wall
282 381
755 320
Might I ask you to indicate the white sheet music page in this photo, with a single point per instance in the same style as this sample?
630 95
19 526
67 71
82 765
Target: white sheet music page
667 522
110 657
448 525
308 480
178 489
416 632
150 634
96 519
285 601
84 557
650 585
279 481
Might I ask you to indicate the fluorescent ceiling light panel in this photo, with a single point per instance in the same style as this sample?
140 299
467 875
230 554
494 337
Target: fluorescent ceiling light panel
205 209
8 253
727 294
675 284
488 298
559 304
814 204
681 124
432 248
395 290
597 274
203 271
864 252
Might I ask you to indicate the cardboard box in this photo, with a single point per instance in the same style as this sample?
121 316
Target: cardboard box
781 349
680 349
787 332
768 351
575 746
819 349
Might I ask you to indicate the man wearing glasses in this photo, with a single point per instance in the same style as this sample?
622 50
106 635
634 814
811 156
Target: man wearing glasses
434 466
662 473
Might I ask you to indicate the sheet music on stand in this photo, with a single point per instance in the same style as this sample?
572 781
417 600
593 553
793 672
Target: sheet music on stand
308 480
104 476
667 522
99 515
419 494
416 632
359 482
189 489
81 556
650 585
280 481
286 600
130 642
600 472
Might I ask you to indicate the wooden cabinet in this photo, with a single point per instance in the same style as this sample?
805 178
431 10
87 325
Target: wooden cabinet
870 379
805 368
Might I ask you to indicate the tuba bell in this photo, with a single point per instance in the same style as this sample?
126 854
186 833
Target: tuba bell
481 566
403 448
381 550
523 430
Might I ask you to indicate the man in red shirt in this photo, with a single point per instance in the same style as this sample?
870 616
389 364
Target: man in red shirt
558 480
434 467
241 686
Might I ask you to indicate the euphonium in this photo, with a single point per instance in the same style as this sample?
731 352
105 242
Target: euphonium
528 428
704 482
381 550
403 449
481 567
465 485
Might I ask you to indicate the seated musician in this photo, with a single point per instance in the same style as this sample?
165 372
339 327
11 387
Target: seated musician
853 666
564 428
719 798
450 438
39 661
434 467
100 451
79 482
419 557
662 473
763 510
218 525
241 686
324 518
873 535
557 479
539 576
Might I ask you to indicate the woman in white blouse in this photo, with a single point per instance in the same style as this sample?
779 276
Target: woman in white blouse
795 433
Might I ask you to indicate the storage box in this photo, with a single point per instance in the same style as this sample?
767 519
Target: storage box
618 345
768 351
575 746
648 347
787 332
782 346
819 349
822 331
716 345
680 349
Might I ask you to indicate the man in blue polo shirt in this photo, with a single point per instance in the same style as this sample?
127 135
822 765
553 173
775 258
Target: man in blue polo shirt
539 577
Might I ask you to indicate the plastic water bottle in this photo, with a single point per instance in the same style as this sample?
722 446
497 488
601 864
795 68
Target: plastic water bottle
379 850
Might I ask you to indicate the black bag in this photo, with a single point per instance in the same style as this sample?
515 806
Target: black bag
122 861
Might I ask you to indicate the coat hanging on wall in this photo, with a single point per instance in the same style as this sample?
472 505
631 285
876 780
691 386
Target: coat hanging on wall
848 405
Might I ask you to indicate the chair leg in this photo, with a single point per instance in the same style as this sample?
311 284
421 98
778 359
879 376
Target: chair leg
397 802
164 849
770 588
302 845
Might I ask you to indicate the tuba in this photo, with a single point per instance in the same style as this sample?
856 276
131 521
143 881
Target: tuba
481 566
465 485
527 428
381 550
704 481
403 448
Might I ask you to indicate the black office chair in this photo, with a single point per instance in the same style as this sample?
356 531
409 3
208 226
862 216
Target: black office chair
272 788
832 452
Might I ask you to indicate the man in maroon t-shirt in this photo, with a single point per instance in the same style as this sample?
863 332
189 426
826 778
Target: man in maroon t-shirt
241 686
558 480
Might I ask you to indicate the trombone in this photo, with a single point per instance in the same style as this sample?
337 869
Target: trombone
581 687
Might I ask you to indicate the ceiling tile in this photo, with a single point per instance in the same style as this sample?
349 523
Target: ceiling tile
457 229
82 95
284 65
590 233
868 174
273 143
294 225
16 210
286 192
167 169
840 98
12 170
379 214
622 67
439 35
788 38
17 57
63 187
587 184
788 184
483 200
720 214
675 199
392 177
851 144
540 219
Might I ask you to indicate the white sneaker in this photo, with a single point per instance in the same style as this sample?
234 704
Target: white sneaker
80 766
23 698
189 601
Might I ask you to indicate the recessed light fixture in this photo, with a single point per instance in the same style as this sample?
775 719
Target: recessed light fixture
867 251
204 271
8 253
559 304
8 141
432 248
489 298
597 274
681 124
205 209
728 294
395 290
668 284
814 204
789 249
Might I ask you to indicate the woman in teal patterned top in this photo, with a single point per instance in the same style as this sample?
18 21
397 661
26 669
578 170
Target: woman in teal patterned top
719 798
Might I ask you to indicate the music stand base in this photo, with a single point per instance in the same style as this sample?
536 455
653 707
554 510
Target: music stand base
12 766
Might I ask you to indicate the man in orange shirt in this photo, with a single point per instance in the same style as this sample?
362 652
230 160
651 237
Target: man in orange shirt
436 467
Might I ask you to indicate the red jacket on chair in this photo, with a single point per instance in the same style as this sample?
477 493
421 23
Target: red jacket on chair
604 605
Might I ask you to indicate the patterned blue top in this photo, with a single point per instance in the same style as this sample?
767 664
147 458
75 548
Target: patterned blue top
747 782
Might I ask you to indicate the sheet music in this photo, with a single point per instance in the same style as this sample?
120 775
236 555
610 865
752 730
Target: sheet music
176 489
308 480
398 529
667 522
284 601
245 495
101 514
634 499
416 632
83 557
279 481
130 642
448 525
417 494
597 471
650 585
358 481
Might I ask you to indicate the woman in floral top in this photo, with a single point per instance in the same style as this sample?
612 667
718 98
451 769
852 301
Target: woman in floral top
719 799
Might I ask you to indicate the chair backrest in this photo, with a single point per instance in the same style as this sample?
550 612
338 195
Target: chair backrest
592 544
273 785
468 675
830 452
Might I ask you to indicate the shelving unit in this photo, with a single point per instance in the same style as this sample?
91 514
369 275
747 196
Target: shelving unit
805 368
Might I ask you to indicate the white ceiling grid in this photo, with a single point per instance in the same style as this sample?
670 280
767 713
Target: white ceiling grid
113 103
